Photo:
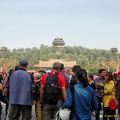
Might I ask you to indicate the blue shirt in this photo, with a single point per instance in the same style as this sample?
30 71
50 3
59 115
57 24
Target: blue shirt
83 101
21 87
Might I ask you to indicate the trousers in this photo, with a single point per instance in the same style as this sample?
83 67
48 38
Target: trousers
14 112
38 110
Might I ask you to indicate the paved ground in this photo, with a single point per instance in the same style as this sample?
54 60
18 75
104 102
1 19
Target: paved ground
3 113
34 118
33 113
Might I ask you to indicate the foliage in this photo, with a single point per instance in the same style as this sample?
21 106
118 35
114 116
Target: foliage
8 64
90 59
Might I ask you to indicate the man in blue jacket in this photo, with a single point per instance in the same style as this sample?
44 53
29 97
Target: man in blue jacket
21 98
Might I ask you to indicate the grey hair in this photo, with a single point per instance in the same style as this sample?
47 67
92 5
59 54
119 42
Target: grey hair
56 65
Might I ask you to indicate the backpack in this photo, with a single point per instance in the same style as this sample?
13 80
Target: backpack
51 91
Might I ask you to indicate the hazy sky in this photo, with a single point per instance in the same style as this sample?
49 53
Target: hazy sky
87 23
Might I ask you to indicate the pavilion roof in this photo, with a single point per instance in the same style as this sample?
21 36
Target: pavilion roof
48 64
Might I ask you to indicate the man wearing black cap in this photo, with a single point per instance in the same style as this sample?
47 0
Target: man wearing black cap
21 98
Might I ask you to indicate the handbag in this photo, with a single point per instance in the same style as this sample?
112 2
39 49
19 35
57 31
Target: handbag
4 99
113 103
63 114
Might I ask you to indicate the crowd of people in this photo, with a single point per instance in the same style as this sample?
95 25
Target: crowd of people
62 87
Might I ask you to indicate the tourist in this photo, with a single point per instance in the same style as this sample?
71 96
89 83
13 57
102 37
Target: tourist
38 108
51 106
109 92
99 84
83 100
73 78
21 97
66 76
6 90
118 88
91 81
1 88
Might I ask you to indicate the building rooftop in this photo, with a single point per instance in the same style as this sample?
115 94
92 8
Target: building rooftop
48 64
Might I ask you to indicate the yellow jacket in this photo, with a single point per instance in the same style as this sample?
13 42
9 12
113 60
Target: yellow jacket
109 91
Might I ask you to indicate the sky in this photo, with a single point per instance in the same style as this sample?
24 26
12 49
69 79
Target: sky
88 23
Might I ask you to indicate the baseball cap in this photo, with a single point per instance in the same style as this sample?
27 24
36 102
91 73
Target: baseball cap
67 68
117 72
23 63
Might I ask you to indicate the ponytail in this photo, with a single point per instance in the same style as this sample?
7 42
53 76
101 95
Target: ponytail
82 77
84 80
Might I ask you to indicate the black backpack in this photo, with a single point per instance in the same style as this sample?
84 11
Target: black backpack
51 91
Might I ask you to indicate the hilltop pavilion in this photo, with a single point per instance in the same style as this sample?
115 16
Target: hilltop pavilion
114 50
59 42
3 49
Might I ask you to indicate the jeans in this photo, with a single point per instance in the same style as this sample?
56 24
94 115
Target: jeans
99 107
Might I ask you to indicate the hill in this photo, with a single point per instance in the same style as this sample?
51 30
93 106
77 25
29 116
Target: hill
90 59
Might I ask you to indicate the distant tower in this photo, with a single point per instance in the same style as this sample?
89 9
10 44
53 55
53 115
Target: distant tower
3 49
59 42
114 50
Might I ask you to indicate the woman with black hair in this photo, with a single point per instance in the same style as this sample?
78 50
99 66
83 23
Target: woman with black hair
82 99
91 81
109 93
